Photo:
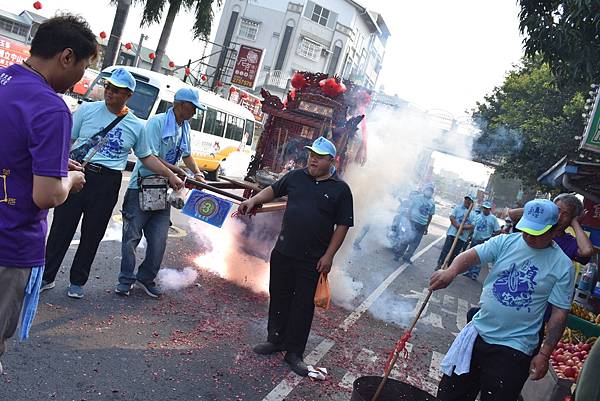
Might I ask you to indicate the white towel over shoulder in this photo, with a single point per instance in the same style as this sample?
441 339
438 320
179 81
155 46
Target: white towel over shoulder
458 358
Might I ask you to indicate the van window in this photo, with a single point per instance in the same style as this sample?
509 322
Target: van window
141 102
196 121
249 131
215 122
163 106
235 128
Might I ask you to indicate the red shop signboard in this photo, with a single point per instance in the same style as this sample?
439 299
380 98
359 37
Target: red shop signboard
12 52
247 66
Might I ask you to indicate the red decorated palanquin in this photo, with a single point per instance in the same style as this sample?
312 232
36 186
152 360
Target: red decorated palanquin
317 105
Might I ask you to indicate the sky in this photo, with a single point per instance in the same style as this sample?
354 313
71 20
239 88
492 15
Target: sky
442 54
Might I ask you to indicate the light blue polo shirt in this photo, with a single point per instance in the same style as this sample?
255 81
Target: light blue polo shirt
91 118
421 207
165 148
518 288
459 213
485 226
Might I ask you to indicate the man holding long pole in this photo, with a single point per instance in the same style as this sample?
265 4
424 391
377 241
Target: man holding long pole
496 352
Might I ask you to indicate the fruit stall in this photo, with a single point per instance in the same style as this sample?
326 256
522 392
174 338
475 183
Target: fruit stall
581 333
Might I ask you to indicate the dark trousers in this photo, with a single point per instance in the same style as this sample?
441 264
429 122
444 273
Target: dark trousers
497 372
446 248
13 281
406 249
292 289
95 202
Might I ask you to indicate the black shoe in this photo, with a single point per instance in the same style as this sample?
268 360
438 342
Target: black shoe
407 261
267 348
296 363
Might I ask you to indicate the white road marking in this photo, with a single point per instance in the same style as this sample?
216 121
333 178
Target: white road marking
287 385
434 367
461 313
448 300
432 319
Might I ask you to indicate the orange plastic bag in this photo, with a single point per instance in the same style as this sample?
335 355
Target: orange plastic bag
322 295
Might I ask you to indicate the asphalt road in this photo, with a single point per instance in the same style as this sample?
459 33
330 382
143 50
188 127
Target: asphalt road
195 343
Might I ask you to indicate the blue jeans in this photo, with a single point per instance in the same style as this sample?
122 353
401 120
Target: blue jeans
475 270
155 227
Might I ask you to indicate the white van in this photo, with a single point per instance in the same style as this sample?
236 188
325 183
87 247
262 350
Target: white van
225 127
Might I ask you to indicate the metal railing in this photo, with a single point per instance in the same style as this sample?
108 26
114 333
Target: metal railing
277 78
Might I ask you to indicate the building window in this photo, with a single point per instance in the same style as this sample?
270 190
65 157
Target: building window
12 27
309 49
320 15
248 30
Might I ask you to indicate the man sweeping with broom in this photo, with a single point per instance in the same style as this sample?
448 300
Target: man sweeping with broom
496 352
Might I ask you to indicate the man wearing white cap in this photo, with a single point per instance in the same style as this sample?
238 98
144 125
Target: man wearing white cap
485 227
456 217
103 134
168 138
316 220
495 353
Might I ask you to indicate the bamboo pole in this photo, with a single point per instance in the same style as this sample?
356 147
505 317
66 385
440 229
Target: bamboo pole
422 308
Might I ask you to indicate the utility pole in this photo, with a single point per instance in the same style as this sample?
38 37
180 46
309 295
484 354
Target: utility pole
136 61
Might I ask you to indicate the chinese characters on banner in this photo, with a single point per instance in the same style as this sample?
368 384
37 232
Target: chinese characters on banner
251 102
12 52
247 66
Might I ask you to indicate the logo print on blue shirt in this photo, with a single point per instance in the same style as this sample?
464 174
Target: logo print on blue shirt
424 210
171 155
114 147
481 226
515 286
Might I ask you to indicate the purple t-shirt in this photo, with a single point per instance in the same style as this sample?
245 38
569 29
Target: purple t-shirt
36 132
568 244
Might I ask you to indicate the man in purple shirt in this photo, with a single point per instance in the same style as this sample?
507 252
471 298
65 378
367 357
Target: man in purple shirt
578 248
34 165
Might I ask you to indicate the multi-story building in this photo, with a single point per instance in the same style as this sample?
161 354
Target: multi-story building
338 37
20 28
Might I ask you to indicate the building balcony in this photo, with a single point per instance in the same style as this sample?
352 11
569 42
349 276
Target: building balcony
277 79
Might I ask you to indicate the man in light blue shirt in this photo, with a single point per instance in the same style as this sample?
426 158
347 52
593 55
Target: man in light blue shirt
529 270
105 157
485 226
456 217
420 212
167 136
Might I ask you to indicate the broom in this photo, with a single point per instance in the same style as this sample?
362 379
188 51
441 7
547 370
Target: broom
401 344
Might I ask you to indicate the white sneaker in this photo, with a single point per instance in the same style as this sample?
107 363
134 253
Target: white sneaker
47 286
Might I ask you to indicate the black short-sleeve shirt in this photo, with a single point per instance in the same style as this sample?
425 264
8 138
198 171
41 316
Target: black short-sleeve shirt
313 210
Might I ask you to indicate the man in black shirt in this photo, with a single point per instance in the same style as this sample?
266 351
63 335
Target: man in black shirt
316 220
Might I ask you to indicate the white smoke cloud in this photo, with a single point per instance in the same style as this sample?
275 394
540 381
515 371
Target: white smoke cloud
174 279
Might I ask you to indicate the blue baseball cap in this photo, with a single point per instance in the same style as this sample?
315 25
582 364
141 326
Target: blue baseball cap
429 185
469 196
121 78
487 204
539 215
322 147
189 95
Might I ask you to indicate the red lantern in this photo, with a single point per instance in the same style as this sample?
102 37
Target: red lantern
171 64
219 84
152 56
330 87
187 71
128 46
102 35
203 77
293 94
244 95
231 90
37 5
298 81
257 101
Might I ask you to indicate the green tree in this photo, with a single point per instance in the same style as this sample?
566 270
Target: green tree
529 122
566 33
153 12
114 41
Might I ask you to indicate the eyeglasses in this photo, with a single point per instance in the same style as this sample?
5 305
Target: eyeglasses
114 89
